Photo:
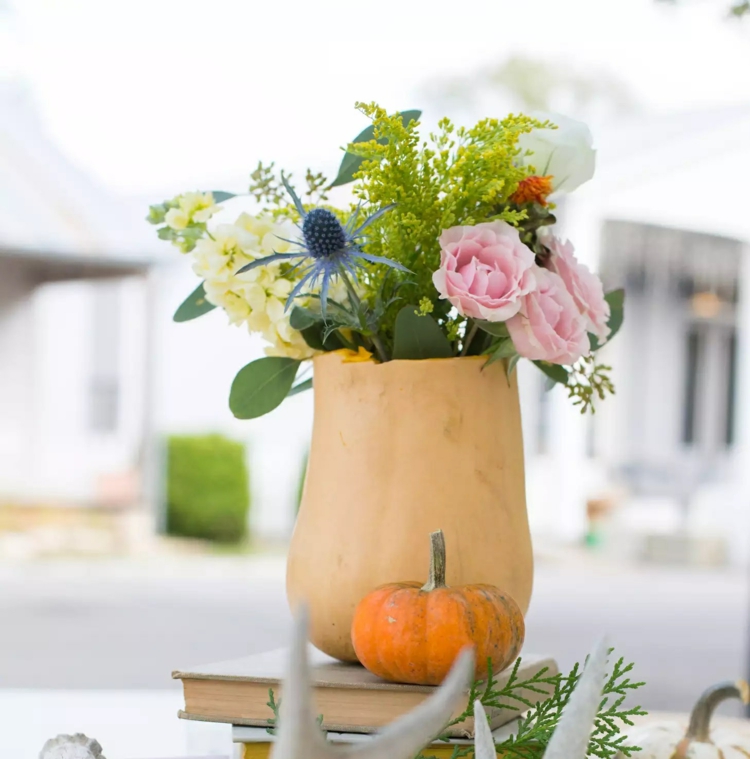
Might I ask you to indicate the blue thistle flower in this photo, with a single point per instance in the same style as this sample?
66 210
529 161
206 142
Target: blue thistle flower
327 248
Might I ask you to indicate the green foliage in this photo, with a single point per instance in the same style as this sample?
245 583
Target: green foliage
737 9
588 380
261 386
460 176
193 306
267 187
184 239
616 300
417 336
504 348
220 196
207 488
351 163
535 728
300 387
301 480
538 721
274 706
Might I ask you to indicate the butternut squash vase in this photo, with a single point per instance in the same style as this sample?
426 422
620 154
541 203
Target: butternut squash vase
399 450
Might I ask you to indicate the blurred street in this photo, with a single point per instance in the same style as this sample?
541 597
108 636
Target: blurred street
120 625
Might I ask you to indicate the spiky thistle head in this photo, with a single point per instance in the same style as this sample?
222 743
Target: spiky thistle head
323 234
328 249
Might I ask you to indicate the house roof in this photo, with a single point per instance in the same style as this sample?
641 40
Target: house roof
49 209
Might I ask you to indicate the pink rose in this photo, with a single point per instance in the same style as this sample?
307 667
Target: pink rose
549 326
585 287
485 270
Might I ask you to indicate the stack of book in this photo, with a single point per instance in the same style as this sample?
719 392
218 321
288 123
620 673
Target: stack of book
353 702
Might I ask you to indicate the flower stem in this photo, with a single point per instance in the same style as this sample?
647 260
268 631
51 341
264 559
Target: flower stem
469 337
437 562
379 347
356 303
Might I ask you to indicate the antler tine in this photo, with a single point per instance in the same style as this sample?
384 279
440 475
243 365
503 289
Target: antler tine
406 736
299 736
484 744
571 737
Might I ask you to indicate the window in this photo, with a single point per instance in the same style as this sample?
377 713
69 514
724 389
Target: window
692 366
731 388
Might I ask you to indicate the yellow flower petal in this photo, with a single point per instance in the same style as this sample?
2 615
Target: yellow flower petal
355 357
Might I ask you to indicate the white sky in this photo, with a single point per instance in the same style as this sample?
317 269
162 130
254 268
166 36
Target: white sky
159 95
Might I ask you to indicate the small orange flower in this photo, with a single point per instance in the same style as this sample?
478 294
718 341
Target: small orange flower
532 190
355 357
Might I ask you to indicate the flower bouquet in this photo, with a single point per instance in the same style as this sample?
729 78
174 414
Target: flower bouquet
446 249
413 301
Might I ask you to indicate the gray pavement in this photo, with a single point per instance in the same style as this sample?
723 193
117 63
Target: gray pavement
127 625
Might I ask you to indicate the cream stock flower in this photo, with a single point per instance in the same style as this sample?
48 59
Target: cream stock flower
257 297
193 207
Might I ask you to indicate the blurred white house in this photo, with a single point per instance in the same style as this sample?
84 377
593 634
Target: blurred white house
666 217
94 374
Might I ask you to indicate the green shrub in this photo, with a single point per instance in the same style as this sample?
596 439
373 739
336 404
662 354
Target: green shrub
208 493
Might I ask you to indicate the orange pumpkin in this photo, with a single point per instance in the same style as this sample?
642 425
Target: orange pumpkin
409 633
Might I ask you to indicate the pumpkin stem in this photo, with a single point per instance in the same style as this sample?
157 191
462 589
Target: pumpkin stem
700 717
437 562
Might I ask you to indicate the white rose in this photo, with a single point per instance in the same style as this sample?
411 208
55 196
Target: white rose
565 153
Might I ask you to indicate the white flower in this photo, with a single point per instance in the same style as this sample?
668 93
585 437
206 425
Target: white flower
565 153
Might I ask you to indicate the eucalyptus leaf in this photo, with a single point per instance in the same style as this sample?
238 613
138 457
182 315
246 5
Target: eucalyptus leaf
321 338
193 306
503 349
302 318
497 329
220 196
350 163
418 337
616 300
555 372
261 386
300 387
512 362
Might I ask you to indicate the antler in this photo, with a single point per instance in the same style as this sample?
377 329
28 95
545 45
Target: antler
573 732
76 746
300 737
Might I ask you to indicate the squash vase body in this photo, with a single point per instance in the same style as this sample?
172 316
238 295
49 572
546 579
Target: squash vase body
399 450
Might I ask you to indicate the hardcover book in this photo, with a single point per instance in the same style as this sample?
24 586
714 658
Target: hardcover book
350 699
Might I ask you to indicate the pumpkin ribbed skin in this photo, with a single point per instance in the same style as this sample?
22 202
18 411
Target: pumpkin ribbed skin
408 633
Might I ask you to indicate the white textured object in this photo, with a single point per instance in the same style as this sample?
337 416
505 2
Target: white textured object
76 746
571 737
300 737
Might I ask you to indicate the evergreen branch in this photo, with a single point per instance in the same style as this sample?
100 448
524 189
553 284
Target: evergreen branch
274 706
538 723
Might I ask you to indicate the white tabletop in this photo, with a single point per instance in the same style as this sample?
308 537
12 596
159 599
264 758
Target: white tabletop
129 724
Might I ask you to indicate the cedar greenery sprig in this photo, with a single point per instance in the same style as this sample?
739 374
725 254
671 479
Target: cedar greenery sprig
536 726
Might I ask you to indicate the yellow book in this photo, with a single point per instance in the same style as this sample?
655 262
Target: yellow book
255 743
